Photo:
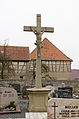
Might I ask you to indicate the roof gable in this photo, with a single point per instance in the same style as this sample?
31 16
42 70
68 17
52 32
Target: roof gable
16 53
50 52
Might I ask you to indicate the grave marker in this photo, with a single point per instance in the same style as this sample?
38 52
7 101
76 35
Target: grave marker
65 92
65 108
7 95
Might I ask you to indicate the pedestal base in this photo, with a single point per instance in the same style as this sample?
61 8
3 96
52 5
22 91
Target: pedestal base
36 115
38 99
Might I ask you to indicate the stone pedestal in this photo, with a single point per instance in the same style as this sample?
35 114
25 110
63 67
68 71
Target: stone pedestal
38 99
36 115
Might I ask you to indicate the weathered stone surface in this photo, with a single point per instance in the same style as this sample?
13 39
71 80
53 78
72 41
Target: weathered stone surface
36 115
7 95
38 31
55 83
63 108
38 99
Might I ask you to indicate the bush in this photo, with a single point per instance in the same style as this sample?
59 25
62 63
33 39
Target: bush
12 104
1 107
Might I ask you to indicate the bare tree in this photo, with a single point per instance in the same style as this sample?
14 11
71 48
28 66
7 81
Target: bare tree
6 67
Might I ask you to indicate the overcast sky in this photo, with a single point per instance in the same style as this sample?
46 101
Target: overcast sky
63 15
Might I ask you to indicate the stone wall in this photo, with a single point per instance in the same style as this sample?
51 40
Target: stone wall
57 83
8 81
54 82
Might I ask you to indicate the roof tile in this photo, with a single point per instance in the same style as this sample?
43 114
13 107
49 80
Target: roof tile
16 53
50 52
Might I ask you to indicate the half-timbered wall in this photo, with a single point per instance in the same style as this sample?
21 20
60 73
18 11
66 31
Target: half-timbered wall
20 70
53 66
58 66
58 69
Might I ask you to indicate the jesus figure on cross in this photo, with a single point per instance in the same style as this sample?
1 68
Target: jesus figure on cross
38 31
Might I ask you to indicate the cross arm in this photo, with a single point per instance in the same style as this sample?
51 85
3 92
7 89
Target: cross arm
29 28
43 29
47 29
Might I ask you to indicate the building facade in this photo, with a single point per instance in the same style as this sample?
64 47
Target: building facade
17 59
54 62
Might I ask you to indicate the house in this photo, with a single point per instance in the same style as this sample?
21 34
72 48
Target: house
19 58
57 63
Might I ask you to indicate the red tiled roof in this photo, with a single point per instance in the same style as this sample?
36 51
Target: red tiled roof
50 52
16 53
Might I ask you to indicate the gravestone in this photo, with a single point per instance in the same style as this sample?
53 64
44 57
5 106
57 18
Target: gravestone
65 92
8 94
61 108
16 87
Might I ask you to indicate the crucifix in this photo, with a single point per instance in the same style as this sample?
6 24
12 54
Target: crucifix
38 31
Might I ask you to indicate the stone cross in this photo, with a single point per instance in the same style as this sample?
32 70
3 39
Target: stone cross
38 31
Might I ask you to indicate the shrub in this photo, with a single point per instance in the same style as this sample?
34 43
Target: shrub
12 104
1 107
